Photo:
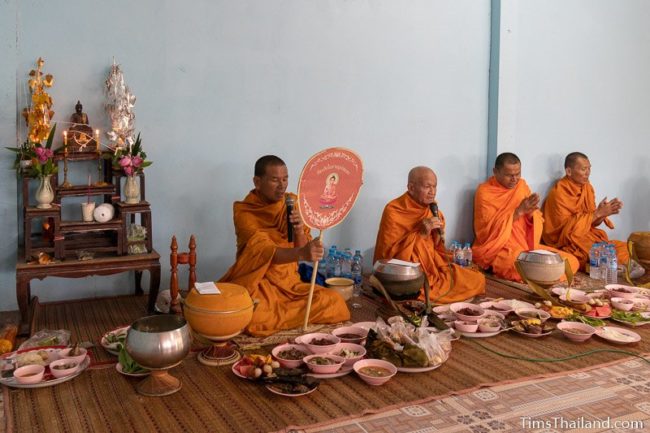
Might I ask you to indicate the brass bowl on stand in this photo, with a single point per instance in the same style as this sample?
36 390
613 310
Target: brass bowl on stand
543 268
400 281
158 343
219 318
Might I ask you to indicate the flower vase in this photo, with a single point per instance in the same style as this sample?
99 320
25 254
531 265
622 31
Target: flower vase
44 193
131 190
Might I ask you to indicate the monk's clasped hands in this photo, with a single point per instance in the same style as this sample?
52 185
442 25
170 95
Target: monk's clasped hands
527 205
606 208
430 224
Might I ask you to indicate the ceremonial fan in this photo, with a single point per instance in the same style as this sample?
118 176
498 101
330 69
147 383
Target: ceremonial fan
328 187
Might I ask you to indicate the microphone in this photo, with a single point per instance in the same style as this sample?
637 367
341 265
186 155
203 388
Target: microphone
289 202
434 210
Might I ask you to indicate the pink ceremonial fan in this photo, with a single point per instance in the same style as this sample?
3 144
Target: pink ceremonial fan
328 187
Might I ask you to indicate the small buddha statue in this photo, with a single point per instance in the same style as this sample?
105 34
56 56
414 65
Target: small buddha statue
80 133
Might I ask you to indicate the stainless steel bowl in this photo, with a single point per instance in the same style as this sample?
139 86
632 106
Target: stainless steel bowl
158 342
549 258
391 272
402 282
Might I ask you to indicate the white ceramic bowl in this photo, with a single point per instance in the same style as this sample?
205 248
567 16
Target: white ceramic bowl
465 326
344 286
64 354
576 331
350 348
63 367
308 340
336 363
360 367
641 304
621 291
487 324
29 374
492 313
351 334
533 313
623 304
459 306
290 363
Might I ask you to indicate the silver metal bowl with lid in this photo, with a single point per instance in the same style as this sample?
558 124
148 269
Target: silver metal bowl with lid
401 281
541 267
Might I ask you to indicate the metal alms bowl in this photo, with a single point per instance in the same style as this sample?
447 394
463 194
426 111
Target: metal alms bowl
402 282
158 342
542 268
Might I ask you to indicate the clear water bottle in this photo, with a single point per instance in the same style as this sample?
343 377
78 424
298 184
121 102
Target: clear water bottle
337 263
603 262
612 269
357 269
459 255
467 255
330 263
594 261
346 265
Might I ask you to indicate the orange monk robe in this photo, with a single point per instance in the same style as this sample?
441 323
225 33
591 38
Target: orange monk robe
399 238
261 228
568 213
499 239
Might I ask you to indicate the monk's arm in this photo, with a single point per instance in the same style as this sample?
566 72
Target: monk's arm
311 251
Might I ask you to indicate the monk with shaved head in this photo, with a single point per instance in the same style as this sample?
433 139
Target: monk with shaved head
507 220
410 231
572 217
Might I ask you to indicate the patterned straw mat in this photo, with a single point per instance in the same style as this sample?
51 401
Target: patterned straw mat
214 400
600 399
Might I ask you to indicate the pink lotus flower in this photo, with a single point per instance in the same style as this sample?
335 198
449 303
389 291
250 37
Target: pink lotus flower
128 170
136 161
43 154
125 161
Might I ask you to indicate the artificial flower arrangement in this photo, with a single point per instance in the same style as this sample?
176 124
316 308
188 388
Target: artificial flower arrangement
40 157
131 159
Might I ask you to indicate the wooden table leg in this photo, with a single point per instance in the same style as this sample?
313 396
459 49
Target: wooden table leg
23 293
154 285
138 283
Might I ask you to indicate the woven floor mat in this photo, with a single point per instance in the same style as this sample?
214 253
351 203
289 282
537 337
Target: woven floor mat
602 399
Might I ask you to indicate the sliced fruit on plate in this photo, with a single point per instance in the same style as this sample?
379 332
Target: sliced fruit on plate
604 311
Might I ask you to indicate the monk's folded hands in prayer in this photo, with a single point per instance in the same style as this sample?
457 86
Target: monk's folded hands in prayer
606 208
527 206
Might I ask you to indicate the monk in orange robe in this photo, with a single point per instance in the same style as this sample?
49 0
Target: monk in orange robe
409 231
572 217
267 263
507 220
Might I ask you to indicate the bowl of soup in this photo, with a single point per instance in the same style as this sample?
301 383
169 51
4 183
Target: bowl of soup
576 331
29 374
319 342
374 371
351 334
325 363
63 367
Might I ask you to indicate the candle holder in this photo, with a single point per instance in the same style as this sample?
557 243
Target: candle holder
65 183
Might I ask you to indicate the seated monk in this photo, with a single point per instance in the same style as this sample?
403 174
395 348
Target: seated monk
409 231
507 220
267 264
571 216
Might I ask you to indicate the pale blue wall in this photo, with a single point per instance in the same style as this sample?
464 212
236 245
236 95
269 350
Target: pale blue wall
219 83
574 77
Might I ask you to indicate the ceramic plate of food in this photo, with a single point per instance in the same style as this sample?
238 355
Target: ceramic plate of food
417 369
112 340
618 335
48 378
631 318
291 389
120 370
479 334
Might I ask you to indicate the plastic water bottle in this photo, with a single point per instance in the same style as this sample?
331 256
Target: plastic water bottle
346 265
357 268
467 255
604 262
594 261
459 255
330 263
612 269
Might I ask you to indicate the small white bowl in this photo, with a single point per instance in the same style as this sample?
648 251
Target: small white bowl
29 374
576 331
464 326
621 291
460 306
351 334
72 367
63 354
489 325
492 313
290 363
360 367
350 348
308 339
533 313
336 363
623 304
641 304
